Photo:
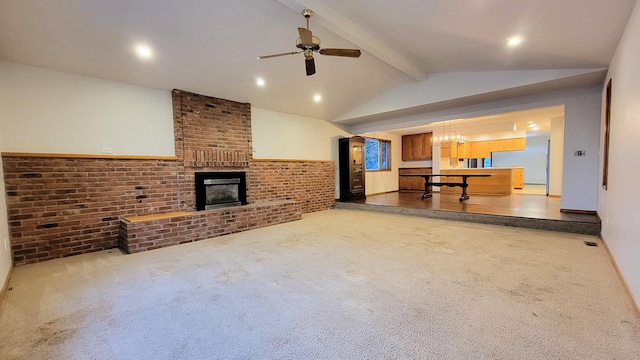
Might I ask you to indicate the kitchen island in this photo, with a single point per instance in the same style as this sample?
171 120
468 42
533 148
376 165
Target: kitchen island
502 181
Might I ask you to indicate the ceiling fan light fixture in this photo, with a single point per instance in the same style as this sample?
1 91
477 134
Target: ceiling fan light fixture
310 66
308 44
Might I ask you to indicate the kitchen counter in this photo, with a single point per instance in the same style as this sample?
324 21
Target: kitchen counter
500 183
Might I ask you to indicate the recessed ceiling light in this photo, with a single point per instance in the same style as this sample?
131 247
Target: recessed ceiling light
532 125
260 82
317 98
529 122
143 52
535 128
514 41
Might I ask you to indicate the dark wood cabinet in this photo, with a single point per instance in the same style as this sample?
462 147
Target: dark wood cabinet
416 147
351 168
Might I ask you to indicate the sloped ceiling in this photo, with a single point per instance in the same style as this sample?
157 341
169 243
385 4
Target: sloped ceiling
416 55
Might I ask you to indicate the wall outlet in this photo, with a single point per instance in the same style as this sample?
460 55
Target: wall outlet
6 244
580 153
607 219
107 150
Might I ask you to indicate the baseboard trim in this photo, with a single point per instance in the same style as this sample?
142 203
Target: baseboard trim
384 192
636 304
5 285
89 156
554 196
584 212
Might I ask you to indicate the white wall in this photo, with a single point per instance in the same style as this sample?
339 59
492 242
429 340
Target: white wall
5 246
557 156
277 135
581 132
619 206
377 182
533 159
50 111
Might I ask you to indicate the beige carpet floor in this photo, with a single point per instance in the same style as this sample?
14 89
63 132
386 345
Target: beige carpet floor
336 285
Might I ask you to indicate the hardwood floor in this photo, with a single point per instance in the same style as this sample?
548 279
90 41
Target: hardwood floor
524 206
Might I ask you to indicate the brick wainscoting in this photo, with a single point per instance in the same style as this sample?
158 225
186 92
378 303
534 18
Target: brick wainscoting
311 183
147 233
60 207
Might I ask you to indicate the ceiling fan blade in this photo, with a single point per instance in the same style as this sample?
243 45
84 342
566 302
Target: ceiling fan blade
276 55
353 53
305 36
310 64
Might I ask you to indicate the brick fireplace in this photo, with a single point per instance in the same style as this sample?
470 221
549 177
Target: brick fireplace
216 190
64 205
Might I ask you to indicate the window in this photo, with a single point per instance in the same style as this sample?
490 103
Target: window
377 154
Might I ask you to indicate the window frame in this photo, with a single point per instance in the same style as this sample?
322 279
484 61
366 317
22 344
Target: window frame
607 134
380 146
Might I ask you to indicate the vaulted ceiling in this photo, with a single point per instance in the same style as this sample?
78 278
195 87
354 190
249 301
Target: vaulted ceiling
417 55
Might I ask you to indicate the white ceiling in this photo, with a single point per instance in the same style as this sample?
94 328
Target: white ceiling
210 46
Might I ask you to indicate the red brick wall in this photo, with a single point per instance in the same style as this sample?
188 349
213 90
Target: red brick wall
137 236
312 183
211 134
60 207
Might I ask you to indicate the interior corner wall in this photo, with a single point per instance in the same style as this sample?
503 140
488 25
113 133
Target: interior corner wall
47 111
282 136
619 204
5 246
556 156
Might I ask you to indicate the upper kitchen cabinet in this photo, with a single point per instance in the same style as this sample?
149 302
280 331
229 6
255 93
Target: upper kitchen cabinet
416 147
483 149
463 150
478 149
514 144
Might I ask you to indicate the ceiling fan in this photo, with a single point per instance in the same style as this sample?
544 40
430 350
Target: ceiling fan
310 44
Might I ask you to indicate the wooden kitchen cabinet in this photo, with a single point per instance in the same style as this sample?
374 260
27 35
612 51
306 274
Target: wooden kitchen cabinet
416 147
410 183
445 151
479 149
463 150
483 149
507 144
517 144
518 178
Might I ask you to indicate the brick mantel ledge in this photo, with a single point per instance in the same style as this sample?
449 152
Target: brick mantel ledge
139 234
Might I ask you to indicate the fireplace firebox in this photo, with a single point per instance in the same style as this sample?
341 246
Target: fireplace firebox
220 189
